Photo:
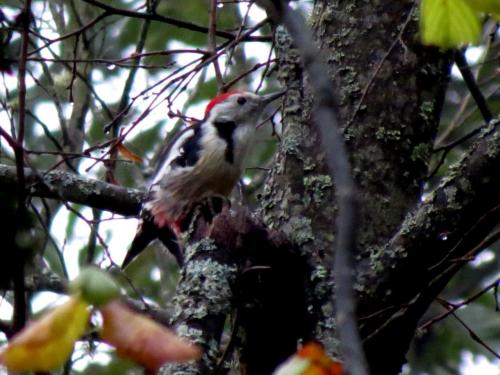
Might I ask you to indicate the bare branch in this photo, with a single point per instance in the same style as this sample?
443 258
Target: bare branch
441 220
452 307
172 21
471 83
76 189
473 334
450 223
20 304
212 44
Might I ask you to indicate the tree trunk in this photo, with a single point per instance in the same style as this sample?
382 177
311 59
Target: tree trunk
390 93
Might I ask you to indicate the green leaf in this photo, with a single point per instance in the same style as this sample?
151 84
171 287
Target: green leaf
53 259
448 23
486 6
95 286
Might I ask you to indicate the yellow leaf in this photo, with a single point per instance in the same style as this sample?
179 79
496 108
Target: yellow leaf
46 344
449 23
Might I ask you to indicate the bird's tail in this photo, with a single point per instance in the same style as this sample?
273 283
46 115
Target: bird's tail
148 231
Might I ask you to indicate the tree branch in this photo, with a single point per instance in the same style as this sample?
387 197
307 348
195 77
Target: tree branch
67 186
20 304
441 220
169 20
406 274
212 43
471 83
452 307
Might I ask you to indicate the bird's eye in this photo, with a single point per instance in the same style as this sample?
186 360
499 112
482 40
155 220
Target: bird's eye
241 100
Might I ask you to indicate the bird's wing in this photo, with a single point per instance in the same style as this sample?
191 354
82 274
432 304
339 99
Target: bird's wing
182 151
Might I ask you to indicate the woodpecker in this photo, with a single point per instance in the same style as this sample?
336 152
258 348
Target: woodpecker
202 162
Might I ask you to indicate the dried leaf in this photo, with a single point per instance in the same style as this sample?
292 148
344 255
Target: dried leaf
127 154
142 340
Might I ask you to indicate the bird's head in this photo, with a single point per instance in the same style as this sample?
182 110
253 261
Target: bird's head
239 107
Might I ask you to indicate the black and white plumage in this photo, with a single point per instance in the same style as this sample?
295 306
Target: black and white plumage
203 161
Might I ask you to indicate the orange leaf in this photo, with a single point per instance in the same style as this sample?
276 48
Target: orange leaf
127 154
142 340
319 359
310 359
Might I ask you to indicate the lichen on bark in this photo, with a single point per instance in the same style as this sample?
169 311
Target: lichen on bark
389 96
201 304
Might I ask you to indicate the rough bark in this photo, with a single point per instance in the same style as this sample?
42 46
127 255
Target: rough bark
235 267
73 188
390 113
391 91
437 238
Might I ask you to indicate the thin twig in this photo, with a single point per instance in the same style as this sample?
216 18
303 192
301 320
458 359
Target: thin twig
463 111
20 305
471 83
229 347
266 70
447 148
94 230
179 89
470 233
51 239
455 306
121 61
73 69
472 334
241 27
247 72
460 140
91 225
11 141
212 28
221 49
471 255
172 21
71 34
125 98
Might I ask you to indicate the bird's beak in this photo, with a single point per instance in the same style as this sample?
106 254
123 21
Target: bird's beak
266 99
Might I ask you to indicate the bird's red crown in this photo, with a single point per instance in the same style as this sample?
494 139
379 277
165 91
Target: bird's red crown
219 99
